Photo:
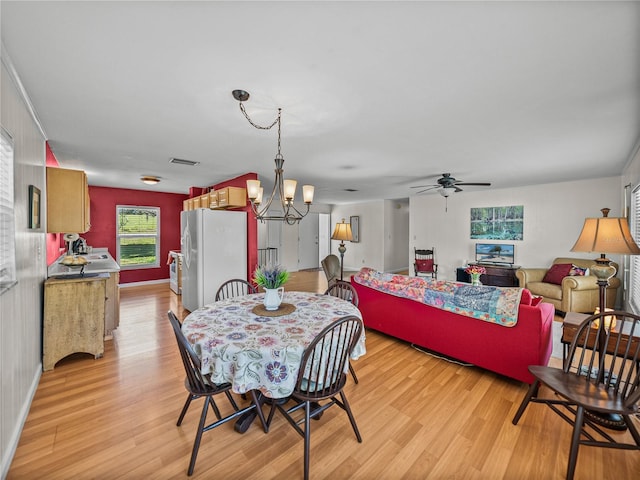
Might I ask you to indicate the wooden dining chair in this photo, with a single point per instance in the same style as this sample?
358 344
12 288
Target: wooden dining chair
599 384
235 287
322 377
424 263
345 291
199 385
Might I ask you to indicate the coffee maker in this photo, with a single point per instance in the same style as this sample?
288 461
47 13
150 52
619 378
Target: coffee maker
79 246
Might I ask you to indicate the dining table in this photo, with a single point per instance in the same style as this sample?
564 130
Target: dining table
241 343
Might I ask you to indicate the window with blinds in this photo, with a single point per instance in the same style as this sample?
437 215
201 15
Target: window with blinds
634 284
138 236
7 215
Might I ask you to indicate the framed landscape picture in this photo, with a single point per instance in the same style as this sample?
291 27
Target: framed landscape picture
497 223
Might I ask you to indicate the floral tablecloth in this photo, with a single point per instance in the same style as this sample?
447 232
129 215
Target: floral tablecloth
261 353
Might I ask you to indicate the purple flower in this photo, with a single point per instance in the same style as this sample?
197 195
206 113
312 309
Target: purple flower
276 372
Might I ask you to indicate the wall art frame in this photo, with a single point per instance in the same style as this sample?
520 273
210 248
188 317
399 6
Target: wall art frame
355 228
34 206
497 223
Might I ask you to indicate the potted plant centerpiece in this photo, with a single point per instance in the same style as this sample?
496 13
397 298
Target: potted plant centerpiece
475 271
271 280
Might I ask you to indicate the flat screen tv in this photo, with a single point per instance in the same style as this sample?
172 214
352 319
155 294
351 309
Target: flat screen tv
495 253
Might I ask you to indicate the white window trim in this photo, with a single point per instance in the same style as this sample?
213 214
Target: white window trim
8 277
138 235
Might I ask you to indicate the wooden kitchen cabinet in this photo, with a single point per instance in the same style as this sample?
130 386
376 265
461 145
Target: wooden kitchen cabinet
231 197
67 201
73 318
112 307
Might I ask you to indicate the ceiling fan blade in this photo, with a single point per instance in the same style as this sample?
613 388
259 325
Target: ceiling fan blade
477 184
423 186
429 187
457 189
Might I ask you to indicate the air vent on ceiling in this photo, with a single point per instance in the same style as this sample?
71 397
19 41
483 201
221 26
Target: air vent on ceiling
180 161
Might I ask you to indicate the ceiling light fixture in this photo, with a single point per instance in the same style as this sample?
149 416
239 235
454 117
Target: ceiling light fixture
149 180
285 189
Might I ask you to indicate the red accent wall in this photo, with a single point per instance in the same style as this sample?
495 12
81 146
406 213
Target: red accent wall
252 223
103 225
54 240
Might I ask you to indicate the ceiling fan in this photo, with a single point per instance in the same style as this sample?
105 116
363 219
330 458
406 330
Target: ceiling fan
447 184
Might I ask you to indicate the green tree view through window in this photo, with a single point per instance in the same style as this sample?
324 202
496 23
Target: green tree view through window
138 236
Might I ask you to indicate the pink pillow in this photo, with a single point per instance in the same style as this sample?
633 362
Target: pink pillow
525 298
557 272
424 265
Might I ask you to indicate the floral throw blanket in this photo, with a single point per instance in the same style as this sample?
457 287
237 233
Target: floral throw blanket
492 304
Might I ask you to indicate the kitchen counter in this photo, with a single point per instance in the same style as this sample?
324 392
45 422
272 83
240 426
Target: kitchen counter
100 261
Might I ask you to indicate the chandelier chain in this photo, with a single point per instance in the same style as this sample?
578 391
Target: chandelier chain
261 127
290 214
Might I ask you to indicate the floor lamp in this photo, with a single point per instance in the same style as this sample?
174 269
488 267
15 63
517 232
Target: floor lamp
342 232
610 235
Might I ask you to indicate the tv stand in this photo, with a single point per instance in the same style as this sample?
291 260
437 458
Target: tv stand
496 276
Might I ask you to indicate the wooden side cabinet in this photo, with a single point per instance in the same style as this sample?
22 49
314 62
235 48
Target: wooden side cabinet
67 201
73 318
496 276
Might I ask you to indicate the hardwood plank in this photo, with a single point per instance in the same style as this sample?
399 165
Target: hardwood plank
419 416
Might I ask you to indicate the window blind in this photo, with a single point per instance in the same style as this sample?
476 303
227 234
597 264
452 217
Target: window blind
7 216
634 284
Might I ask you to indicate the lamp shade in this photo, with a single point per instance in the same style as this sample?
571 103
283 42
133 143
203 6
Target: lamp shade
342 232
606 235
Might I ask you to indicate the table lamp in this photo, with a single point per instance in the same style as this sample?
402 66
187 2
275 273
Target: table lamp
610 235
342 232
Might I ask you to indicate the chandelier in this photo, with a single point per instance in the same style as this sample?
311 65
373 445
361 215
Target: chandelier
285 189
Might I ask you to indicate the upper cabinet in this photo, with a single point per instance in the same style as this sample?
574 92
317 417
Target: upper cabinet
227 197
67 201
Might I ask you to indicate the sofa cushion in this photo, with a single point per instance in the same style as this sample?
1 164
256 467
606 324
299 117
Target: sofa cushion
557 272
544 289
526 297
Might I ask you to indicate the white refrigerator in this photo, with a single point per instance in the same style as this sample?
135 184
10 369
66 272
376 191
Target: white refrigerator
214 248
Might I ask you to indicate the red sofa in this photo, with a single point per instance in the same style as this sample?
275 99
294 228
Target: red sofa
504 350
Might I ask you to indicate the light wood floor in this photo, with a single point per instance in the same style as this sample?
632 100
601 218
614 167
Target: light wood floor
420 418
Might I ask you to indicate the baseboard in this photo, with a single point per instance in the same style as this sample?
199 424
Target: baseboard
12 445
147 282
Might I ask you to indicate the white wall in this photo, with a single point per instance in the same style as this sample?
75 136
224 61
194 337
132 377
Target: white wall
396 235
21 306
553 218
384 235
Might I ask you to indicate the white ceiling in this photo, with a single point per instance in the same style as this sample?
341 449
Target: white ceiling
376 96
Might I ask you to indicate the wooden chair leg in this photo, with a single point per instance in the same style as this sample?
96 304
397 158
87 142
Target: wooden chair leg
533 391
347 409
575 443
353 374
307 438
196 443
184 409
